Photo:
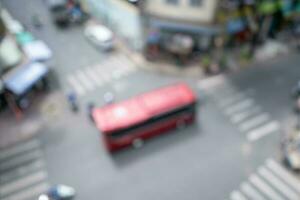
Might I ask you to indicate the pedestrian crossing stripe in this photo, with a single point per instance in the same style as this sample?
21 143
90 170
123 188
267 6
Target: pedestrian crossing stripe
283 174
265 188
20 160
76 85
80 75
244 113
87 79
263 130
22 183
29 193
254 122
279 185
22 171
251 192
93 76
245 104
19 149
270 182
236 195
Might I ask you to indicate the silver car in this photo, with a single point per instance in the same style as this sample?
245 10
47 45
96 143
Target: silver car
100 36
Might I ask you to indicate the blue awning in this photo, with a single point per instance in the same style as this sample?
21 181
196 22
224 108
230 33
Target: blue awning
173 26
21 79
235 26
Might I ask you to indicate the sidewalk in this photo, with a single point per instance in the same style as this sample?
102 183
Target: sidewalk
268 51
14 131
45 109
163 67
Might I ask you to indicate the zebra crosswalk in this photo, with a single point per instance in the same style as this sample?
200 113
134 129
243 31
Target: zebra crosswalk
271 181
87 79
241 109
23 173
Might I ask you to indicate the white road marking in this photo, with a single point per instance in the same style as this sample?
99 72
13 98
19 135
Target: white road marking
212 82
264 188
278 184
116 74
245 104
285 175
22 170
84 80
254 122
225 90
113 63
236 195
19 160
18 149
76 85
264 130
29 193
251 192
93 76
235 97
241 116
102 73
232 99
22 183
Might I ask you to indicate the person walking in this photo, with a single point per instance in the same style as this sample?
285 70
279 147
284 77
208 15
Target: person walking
72 99
90 108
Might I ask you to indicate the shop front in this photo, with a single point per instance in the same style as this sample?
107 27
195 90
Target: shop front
180 38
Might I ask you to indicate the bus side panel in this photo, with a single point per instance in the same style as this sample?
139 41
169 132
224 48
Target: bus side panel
157 129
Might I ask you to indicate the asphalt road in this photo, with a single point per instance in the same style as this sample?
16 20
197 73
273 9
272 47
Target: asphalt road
205 161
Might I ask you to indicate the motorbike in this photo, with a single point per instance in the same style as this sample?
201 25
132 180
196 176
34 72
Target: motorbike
58 192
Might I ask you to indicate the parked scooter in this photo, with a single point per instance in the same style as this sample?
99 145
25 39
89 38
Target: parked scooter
36 21
58 192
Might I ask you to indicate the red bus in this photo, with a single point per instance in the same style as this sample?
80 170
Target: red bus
146 115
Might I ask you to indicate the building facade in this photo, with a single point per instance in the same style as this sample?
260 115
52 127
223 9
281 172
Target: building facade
196 18
123 18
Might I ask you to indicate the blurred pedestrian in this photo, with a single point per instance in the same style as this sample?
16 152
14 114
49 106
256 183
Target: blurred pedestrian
90 108
36 21
72 99
109 98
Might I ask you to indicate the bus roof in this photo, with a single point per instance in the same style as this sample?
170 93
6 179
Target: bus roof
142 107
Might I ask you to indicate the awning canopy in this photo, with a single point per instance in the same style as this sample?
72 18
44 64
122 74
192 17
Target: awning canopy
21 79
174 26
37 51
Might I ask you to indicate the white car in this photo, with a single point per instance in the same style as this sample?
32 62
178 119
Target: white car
100 36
